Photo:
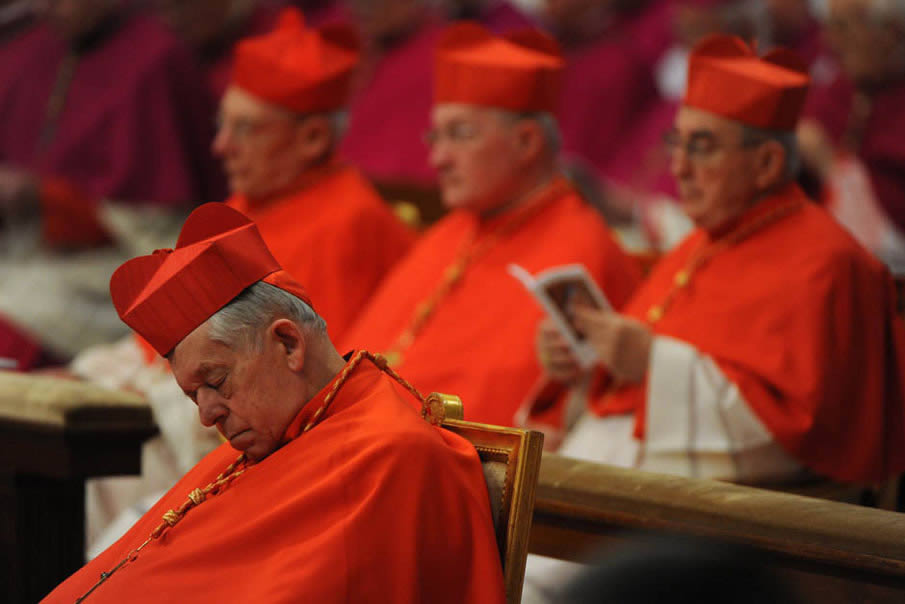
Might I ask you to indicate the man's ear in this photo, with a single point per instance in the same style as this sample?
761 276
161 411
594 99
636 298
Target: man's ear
770 164
290 341
314 137
529 139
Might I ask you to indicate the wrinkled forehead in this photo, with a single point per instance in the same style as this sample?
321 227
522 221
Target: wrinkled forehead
195 351
690 120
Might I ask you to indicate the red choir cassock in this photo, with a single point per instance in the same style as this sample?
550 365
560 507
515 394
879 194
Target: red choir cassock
449 315
353 505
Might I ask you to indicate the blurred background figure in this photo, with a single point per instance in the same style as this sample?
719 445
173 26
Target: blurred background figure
448 315
854 141
390 111
98 102
212 27
497 15
650 570
15 16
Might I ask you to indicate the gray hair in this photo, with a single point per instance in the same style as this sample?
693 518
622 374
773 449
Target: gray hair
752 136
548 125
239 323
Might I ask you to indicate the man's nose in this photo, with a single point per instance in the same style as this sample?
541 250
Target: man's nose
210 410
679 163
439 155
221 142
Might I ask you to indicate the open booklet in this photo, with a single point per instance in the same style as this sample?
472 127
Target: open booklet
556 290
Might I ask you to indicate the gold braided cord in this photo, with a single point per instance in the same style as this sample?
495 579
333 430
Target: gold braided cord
470 251
708 252
198 496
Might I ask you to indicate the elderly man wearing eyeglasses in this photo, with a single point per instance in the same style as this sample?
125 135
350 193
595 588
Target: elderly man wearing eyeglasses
449 315
767 343
766 346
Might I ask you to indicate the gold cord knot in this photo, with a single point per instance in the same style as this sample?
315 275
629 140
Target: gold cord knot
172 517
197 496
381 361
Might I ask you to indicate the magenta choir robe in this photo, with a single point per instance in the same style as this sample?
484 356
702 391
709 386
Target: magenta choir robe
501 16
881 146
391 112
136 123
606 89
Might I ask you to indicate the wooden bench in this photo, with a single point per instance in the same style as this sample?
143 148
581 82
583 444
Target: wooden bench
830 551
55 434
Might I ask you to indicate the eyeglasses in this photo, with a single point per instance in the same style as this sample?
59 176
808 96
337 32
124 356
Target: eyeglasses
702 145
243 128
455 133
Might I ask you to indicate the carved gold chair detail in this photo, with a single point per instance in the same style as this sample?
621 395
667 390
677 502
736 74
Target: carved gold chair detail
511 461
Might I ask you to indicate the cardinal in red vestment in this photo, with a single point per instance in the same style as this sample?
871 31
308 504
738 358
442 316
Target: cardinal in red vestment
332 488
449 315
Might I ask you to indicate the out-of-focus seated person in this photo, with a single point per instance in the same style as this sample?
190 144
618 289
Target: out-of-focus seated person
449 315
213 27
607 86
766 344
281 120
15 16
98 103
393 100
853 136
498 16
332 488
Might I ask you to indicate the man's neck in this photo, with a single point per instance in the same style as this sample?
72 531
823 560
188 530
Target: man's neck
726 226
323 364
523 195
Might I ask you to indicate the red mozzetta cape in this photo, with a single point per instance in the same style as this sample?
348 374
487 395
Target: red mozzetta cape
802 320
372 505
479 341
335 235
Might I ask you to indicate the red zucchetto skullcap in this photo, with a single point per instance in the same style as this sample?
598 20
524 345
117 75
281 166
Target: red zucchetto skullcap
727 78
518 72
220 252
304 70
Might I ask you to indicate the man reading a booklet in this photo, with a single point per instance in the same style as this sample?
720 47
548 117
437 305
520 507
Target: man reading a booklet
449 316
767 343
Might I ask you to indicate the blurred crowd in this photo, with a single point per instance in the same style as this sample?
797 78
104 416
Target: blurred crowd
624 77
